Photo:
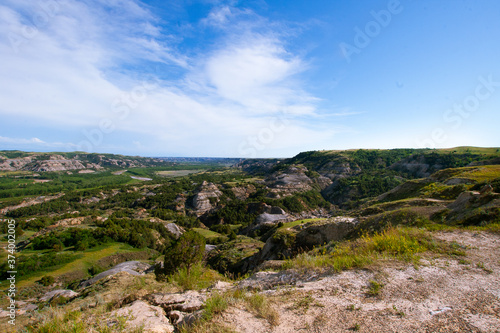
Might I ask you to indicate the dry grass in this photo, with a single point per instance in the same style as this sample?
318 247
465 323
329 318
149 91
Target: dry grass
394 243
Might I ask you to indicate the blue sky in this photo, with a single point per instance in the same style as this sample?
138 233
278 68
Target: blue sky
248 78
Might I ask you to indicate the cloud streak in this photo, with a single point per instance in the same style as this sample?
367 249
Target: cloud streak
89 54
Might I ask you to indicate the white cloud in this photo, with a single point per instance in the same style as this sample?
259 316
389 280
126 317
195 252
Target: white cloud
66 75
21 140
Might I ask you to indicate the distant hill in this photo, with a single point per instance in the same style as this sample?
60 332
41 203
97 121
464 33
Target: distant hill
347 176
14 160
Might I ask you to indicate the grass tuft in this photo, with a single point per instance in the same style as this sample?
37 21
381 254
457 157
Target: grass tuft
199 277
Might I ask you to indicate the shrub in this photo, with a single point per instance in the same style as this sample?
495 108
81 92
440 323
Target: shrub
215 305
46 280
284 237
198 277
184 253
374 288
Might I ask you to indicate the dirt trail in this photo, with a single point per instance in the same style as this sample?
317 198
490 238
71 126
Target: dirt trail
441 295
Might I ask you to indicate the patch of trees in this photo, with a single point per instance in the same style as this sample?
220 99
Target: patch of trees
60 182
48 207
366 185
299 202
137 233
80 239
29 265
235 212
123 199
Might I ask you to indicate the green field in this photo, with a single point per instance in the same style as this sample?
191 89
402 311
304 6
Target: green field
176 173
90 257
295 223
208 234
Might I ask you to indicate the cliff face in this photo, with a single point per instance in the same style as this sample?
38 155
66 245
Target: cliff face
206 197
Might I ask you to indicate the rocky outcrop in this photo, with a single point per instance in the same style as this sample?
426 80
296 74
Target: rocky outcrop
143 315
266 218
174 229
131 267
340 167
269 280
284 242
292 179
321 232
182 309
171 227
66 293
202 199
267 213
31 202
41 162
179 203
243 192
189 301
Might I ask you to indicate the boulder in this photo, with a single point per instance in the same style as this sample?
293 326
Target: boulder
190 318
270 218
221 285
66 293
141 314
321 232
462 201
209 248
189 301
174 229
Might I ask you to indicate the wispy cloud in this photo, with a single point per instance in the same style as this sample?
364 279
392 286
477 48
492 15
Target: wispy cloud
85 58
21 140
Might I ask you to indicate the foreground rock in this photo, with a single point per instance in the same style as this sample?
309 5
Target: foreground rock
143 315
189 301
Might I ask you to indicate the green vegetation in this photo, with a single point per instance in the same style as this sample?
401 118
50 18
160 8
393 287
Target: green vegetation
374 288
88 222
401 243
183 253
30 265
215 305
197 277
230 257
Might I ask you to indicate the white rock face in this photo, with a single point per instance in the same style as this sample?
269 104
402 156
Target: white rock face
201 201
141 314
174 229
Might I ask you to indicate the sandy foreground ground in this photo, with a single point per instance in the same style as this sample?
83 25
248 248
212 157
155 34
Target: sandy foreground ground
440 295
